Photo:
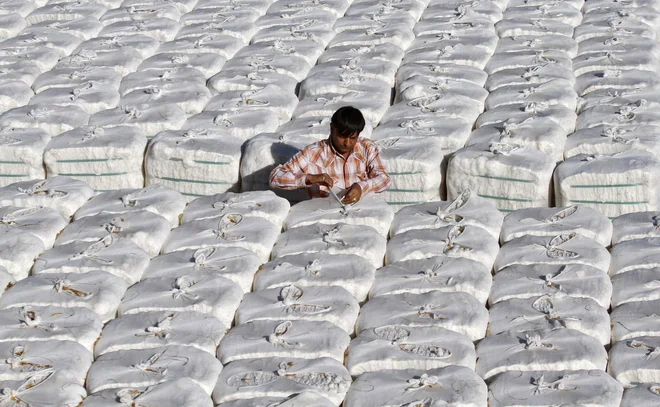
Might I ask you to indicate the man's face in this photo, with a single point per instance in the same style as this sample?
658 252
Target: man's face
343 145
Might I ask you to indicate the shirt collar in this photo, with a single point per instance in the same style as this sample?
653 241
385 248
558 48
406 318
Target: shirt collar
358 150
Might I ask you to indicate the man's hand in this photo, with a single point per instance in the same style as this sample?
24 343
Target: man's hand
321 179
353 194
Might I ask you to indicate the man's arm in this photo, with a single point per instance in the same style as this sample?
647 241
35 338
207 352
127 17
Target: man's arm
291 175
378 180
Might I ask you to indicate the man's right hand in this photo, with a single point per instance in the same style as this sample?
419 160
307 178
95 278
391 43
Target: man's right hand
321 179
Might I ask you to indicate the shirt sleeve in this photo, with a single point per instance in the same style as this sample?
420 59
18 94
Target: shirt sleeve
378 180
293 173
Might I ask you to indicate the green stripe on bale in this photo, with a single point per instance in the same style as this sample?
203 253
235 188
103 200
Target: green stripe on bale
502 198
202 162
194 181
526 181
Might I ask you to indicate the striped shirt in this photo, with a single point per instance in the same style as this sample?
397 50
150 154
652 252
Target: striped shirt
363 166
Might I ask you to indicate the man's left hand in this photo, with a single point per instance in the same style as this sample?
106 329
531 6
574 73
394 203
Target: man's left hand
353 194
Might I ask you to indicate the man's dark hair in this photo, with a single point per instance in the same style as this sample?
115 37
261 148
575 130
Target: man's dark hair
347 121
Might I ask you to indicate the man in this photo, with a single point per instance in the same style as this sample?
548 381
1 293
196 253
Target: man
344 160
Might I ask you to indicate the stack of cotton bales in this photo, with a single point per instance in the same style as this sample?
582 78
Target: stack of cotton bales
48 323
202 155
426 307
439 95
548 310
634 273
511 156
611 159
357 69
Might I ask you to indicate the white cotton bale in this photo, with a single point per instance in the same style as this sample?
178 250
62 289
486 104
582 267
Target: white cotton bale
209 294
461 73
21 155
298 376
352 272
145 229
638 225
15 69
235 123
466 209
633 320
232 230
595 388
149 330
634 286
120 257
44 223
205 62
433 274
510 176
52 119
550 312
613 184
386 52
529 59
444 386
643 393
418 86
560 248
458 312
291 302
627 60
263 204
65 11
194 162
223 45
519 112
18 251
275 339
293 66
57 324
233 263
96 290
634 254
572 280
64 194
363 241
117 369
83 28
554 92
619 26
421 348
157 199
150 118
123 60
181 392
632 361
14 94
263 153
104 158
458 54
470 242
546 350
371 210
271 98
537 133
538 43
578 219
141 12
533 75
606 140
161 29
176 77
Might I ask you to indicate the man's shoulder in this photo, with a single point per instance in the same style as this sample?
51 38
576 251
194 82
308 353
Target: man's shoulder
368 145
